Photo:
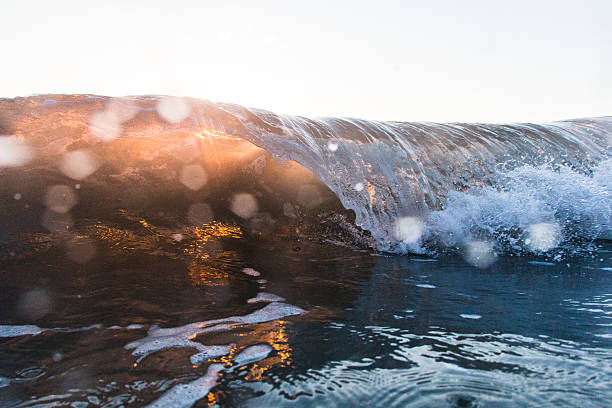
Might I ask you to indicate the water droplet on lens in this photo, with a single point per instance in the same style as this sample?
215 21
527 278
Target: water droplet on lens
408 229
480 254
173 109
14 152
244 205
78 164
193 176
60 198
542 237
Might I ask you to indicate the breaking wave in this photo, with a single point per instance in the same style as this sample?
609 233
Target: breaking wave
394 186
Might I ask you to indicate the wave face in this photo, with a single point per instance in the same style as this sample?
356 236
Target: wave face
417 187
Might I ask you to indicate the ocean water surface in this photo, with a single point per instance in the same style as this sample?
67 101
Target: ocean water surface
161 251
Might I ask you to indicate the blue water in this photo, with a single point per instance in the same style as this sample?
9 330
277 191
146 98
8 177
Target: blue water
359 329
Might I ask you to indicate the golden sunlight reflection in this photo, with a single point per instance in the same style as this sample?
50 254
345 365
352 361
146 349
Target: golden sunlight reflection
123 239
207 275
211 399
279 340
219 230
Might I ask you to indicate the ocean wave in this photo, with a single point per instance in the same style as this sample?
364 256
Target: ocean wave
482 189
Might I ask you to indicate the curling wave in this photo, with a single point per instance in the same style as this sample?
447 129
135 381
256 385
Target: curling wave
412 187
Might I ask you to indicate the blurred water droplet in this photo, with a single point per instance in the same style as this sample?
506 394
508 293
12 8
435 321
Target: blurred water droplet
408 229
14 152
122 111
332 146
542 236
480 254
244 205
199 214
78 164
56 222
17 196
60 198
309 196
105 125
81 250
173 109
289 211
35 303
193 176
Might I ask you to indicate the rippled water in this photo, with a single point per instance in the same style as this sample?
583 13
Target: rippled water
352 328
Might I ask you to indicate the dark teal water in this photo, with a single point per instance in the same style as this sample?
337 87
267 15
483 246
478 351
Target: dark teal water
375 330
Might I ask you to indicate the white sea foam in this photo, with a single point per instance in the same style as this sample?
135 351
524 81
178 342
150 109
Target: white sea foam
265 297
251 272
185 395
209 352
470 316
7 330
535 210
180 337
252 354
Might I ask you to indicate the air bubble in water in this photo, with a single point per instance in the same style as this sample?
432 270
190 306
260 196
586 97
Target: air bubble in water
78 164
60 199
173 109
244 205
408 229
17 196
13 152
542 236
193 176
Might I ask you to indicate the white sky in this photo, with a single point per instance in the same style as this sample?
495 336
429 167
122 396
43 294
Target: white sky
457 60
